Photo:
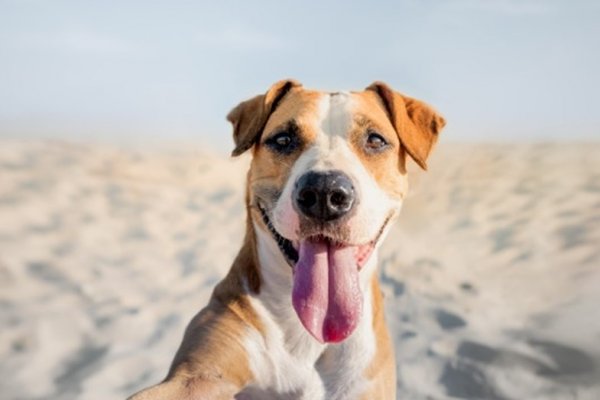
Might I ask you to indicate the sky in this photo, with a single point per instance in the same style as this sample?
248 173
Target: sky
142 70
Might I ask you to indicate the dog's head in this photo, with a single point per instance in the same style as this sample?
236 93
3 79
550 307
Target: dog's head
328 175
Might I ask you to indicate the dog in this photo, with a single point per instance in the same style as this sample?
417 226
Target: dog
300 314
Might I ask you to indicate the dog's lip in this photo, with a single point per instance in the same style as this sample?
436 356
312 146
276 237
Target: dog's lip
286 246
290 248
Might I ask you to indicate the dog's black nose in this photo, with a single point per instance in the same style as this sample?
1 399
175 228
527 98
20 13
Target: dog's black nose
324 196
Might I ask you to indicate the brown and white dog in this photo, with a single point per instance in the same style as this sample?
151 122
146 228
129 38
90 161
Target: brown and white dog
300 314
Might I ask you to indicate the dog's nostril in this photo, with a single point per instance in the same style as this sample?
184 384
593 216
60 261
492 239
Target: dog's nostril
307 198
338 199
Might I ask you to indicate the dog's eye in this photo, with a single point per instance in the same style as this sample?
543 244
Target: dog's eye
375 142
283 142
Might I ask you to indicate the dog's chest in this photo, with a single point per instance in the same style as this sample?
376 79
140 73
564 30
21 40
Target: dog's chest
280 372
287 363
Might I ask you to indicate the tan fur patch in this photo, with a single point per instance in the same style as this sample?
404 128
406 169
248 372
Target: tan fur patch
388 167
211 362
269 170
219 328
382 371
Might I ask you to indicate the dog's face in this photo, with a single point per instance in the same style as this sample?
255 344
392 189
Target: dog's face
327 176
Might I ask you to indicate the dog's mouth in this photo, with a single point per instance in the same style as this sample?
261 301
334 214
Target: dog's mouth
288 250
326 292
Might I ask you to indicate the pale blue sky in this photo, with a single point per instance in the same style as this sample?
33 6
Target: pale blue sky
497 69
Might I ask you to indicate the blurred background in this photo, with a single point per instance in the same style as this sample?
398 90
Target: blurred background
139 70
120 210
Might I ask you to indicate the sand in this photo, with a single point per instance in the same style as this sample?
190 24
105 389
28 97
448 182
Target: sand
491 276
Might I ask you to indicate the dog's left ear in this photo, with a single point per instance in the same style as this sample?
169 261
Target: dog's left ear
250 117
416 123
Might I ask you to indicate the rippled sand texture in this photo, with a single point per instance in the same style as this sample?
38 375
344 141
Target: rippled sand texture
492 275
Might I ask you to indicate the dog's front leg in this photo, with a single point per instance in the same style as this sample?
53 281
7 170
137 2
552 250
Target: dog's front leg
211 362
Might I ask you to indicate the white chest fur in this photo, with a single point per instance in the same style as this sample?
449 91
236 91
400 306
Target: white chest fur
288 363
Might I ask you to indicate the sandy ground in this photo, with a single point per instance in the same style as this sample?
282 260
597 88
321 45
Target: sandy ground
492 275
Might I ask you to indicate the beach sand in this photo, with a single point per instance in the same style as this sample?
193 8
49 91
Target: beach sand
491 275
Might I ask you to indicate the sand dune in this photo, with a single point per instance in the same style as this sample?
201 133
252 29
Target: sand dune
492 275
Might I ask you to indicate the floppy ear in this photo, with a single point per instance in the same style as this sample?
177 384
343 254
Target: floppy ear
416 123
250 117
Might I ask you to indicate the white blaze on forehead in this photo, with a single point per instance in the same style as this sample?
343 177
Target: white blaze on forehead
337 118
334 123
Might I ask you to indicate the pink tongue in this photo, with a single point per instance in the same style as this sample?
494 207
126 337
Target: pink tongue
326 294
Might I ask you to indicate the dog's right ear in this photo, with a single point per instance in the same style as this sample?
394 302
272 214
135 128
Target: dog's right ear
250 117
417 124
